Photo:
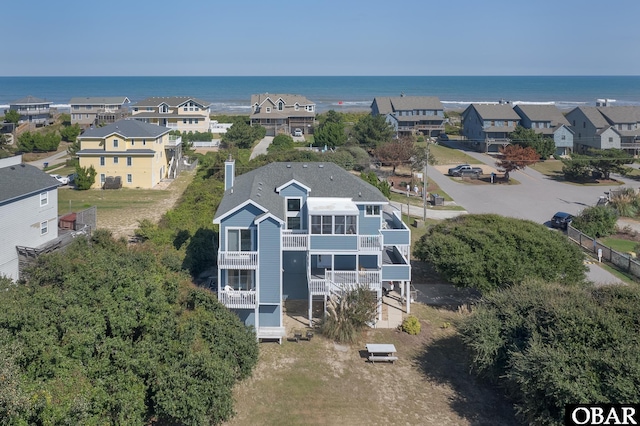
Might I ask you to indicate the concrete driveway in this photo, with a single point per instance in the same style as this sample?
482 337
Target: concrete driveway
537 198
261 147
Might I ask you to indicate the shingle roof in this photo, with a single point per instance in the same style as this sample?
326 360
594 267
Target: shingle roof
543 113
23 179
127 129
594 116
324 179
172 101
30 100
389 104
288 99
99 100
495 112
621 114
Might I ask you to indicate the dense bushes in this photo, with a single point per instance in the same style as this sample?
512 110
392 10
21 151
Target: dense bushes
29 142
549 345
490 251
596 221
350 314
106 334
411 325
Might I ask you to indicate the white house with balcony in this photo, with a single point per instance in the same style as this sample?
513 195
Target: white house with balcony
411 114
181 113
291 231
32 110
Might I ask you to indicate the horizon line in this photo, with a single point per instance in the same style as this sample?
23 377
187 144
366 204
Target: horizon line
317 76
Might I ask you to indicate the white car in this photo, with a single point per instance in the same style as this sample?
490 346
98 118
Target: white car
297 132
62 179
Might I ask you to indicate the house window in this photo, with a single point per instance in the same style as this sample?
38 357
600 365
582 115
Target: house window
610 139
196 121
44 227
345 225
268 109
133 142
372 211
240 279
102 161
239 240
129 161
563 137
184 121
297 107
44 199
115 160
115 143
144 142
584 124
293 213
321 224
129 178
191 121
103 178
280 106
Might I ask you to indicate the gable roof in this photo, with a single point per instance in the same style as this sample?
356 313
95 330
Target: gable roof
274 97
621 114
172 101
495 112
30 100
325 180
390 104
99 100
542 113
593 115
22 179
127 128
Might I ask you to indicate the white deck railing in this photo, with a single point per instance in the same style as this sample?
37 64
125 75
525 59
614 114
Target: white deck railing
238 259
295 240
369 243
237 299
345 280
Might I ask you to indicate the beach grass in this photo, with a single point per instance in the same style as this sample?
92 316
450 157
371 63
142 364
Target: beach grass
123 199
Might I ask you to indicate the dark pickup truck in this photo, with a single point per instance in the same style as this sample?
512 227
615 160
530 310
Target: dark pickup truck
466 169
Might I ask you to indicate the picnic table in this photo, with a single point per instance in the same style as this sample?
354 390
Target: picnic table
382 352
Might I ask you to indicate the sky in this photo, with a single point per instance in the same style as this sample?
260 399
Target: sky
322 37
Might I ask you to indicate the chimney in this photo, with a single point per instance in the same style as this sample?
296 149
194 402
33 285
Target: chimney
229 172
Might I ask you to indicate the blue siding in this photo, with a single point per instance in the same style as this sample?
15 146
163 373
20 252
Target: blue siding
243 218
295 190
294 275
269 316
334 242
568 138
247 316
368 225
396 272
269 262
396 237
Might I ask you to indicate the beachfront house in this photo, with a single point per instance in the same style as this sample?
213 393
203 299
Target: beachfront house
549 122
130 152
180 113
411 114
98 110
488 126
304 231
279 113
32 110
29 208
605 127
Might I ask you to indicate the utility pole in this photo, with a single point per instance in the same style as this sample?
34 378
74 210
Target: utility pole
424 186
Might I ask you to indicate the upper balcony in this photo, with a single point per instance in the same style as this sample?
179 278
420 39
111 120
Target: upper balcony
237 259
300 241
394 230
238 299
326 281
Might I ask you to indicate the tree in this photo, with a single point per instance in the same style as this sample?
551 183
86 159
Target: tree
30 142
607 161
396 152
371 131
382 185
70 133
349 313
12 116
576 168
516 157
282 142
85 177
489 252
242 135
529 137
330 133
596 221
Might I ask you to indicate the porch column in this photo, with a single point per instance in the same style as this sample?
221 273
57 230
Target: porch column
310 309
379 293
408 297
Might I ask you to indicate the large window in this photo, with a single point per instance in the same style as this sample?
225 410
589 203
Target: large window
294 205
239 240
102 161
372 211
339 225
240 279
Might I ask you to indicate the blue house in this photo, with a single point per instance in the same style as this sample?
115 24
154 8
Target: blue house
549 122
304 231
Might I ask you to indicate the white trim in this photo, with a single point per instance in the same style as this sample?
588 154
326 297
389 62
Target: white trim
291 182
267 215
236 228
217 220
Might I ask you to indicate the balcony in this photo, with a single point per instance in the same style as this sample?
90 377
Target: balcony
324 281
174 140
237 259
370 243
238 299
295 240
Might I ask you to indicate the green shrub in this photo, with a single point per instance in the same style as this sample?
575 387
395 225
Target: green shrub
596 221
348 314
411 325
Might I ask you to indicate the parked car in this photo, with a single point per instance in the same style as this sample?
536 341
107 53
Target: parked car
297 132
561 220
464 168
72 178
443 137
62 179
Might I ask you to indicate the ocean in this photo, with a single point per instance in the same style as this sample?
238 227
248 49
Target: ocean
231 95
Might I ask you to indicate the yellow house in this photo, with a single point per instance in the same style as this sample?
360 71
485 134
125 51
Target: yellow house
137 154
175 112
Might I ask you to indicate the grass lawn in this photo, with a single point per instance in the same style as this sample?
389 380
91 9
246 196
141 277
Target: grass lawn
445 155
551 168
619 244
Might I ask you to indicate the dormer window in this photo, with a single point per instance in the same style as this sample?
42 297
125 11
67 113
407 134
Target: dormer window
297 107
164 109
294 206
280 106
268 109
